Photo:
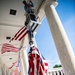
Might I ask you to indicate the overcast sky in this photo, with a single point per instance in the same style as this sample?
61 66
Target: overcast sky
45 43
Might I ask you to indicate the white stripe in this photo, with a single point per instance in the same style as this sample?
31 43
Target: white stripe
21 35
20 32
5 48
35 64
42 70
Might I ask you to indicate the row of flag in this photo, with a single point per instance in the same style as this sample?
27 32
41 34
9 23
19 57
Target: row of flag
23 31
37 63
20 34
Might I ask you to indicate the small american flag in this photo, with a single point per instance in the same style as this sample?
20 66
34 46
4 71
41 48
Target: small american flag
16 71
36 64
13 64
20 34
8 48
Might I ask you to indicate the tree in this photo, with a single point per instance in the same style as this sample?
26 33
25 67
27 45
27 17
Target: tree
57 66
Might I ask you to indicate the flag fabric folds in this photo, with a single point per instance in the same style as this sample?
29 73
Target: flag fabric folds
45 63
16 71
20 34
13 64
8 48
37 65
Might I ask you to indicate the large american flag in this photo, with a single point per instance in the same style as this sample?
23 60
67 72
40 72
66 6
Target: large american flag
36 64
20 34
8 48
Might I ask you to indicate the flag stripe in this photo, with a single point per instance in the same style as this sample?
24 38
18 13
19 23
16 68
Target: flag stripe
32 25
14 64
20 33
36 64
8 48
46 64
23 36
35 28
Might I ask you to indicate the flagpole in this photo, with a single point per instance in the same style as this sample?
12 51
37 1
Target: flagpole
19 57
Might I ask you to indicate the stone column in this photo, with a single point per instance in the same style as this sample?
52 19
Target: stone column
24 62
24 56
62 43
22 65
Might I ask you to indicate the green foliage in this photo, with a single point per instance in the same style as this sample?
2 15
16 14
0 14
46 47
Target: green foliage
57 66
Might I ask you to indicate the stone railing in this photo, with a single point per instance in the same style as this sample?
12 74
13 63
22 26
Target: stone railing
55 71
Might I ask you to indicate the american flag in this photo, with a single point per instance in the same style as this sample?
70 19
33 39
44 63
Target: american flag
8 48
20 34
36 64
13 64
45 63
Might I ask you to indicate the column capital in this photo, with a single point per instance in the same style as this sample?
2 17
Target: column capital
51 2
48 2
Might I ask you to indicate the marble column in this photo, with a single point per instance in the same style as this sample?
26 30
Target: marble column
64 49
24 62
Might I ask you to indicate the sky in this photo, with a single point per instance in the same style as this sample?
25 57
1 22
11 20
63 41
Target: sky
45 43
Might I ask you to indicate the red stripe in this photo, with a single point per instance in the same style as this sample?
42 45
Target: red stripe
9 48
5 49
46 64
19 34
13 64
19 31
40 73
23 35
32 68
38 63
12 39
8 45
16 34
31 65
40 67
